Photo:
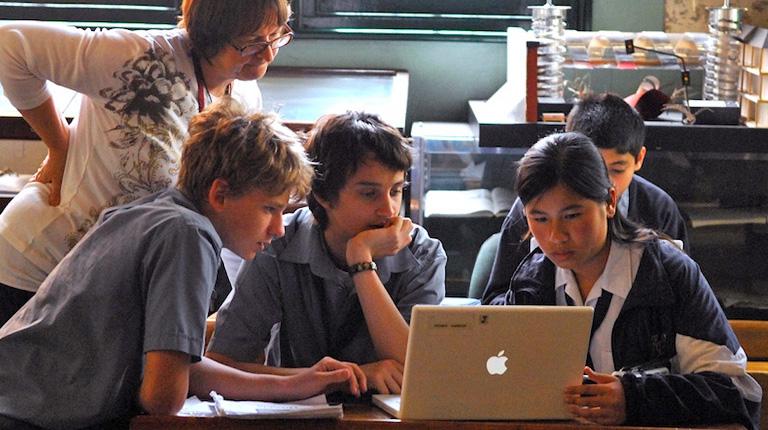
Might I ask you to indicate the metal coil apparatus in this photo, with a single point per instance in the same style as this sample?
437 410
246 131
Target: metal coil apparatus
721 65
548 27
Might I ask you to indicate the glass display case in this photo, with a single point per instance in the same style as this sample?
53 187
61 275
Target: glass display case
724 197
722 193
459 192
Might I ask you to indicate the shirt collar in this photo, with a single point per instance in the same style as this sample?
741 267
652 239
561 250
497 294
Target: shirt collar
623 203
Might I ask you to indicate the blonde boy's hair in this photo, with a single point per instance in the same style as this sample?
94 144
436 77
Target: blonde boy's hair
247 150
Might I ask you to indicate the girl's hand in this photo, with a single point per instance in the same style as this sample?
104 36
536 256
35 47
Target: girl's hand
602 402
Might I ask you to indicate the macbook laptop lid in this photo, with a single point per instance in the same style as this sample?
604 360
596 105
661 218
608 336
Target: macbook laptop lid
491 362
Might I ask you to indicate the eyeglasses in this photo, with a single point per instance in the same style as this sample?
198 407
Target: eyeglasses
259 47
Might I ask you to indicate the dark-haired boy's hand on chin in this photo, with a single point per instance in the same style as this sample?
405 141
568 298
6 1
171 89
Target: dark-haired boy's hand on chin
602 402
328 375
385 376
379 242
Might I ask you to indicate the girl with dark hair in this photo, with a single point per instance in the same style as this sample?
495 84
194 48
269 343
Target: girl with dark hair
618 132
661 350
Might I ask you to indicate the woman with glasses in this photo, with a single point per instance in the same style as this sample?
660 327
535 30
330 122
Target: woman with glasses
137 88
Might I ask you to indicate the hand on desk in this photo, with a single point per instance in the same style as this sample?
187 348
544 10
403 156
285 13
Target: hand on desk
602 402
385 376
330 375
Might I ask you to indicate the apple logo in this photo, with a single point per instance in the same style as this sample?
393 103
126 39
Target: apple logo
497 364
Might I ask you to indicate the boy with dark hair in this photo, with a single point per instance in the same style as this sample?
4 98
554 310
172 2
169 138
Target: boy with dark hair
343 279
619 133
118 327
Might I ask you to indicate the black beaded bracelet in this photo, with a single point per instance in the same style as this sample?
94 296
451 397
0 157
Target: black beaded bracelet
362 267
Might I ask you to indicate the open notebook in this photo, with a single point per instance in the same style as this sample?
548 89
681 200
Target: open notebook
313 407
491 362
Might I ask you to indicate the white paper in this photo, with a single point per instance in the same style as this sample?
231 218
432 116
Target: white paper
313 407
194 407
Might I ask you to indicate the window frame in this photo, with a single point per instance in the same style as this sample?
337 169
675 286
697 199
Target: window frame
142 14
425 19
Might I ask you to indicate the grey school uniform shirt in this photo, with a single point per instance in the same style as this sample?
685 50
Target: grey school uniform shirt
140 281
292 298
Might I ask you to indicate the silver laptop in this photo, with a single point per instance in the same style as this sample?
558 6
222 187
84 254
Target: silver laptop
491 362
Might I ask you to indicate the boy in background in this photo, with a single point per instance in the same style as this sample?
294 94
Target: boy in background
343 279
618 131
118 327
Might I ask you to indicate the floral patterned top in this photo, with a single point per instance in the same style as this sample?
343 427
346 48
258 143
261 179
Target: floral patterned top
138 92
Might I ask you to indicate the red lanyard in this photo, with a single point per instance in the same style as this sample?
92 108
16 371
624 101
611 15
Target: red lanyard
203 95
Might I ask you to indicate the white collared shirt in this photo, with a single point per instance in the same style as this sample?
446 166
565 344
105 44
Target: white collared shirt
617 277
623 203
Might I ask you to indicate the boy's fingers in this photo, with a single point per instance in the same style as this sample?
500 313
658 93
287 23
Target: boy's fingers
407 225
392 385
381 386
398 376
362 380
343 376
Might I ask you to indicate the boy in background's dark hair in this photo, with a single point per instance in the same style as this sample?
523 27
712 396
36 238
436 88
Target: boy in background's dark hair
618 131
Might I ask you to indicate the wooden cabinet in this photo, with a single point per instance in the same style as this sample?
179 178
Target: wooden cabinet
754 85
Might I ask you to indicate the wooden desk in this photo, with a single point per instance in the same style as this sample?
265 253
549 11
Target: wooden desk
366 417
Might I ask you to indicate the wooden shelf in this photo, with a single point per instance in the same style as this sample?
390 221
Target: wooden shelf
752 97
716 216
660 135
